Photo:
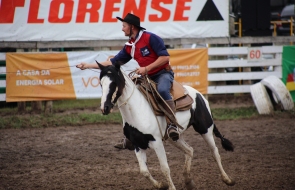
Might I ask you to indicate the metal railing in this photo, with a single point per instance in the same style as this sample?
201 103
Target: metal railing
275 23
239 23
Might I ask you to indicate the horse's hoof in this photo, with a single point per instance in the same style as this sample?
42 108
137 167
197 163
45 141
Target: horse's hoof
232 183
190 185
229 182
163 186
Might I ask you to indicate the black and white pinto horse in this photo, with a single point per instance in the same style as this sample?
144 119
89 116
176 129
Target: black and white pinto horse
145 130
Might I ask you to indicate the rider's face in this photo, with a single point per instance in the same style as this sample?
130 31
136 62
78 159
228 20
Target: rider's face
126 28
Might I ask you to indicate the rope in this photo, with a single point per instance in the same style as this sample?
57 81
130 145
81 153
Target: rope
150 84
126 101
169 117
49 69
130 75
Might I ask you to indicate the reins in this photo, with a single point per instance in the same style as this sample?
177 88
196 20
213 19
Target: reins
149 101
146 79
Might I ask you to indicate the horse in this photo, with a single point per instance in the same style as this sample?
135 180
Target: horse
145 130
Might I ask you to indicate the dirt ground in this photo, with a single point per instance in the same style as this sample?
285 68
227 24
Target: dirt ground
84 157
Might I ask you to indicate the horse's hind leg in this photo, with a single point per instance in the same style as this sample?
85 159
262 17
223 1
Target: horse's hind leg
141 157
209 139
188 152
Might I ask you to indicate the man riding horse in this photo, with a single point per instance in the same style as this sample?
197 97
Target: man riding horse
149 51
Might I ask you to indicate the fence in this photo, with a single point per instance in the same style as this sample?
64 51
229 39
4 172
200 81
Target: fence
221 62
269 63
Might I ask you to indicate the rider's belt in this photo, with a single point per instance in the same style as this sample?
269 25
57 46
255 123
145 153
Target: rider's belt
168 68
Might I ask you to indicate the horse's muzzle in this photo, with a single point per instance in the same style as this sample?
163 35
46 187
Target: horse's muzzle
107 109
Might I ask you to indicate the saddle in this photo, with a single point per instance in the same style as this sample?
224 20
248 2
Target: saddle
183 101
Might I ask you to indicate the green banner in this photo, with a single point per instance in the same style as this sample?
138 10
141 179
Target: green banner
289 69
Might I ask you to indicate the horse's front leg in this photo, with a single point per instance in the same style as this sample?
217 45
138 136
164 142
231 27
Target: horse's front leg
161 154
141 157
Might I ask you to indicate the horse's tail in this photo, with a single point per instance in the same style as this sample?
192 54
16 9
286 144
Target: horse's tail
226 144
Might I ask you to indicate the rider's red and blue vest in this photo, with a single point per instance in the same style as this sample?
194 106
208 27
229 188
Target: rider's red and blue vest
147 50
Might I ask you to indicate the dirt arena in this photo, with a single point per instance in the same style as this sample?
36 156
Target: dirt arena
84 158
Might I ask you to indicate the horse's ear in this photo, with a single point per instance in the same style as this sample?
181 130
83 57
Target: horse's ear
100 65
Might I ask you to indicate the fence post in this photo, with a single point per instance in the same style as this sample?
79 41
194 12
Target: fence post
2 77
278 68
48 107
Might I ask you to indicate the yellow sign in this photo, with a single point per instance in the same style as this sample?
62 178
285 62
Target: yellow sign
48 76
190 67
33 77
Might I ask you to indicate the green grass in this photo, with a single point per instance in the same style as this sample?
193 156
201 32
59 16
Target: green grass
55 120
58 106
234 113
85 112
65 113
76 104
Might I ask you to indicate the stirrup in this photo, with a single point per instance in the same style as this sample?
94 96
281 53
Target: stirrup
173 132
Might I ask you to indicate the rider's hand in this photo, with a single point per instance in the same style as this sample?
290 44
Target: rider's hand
82 66
141 71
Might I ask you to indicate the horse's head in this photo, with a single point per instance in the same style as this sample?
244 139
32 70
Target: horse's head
112 83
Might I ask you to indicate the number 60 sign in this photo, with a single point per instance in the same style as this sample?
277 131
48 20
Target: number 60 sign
254 54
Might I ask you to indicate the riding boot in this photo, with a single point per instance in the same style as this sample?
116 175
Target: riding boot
124 144
172 129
